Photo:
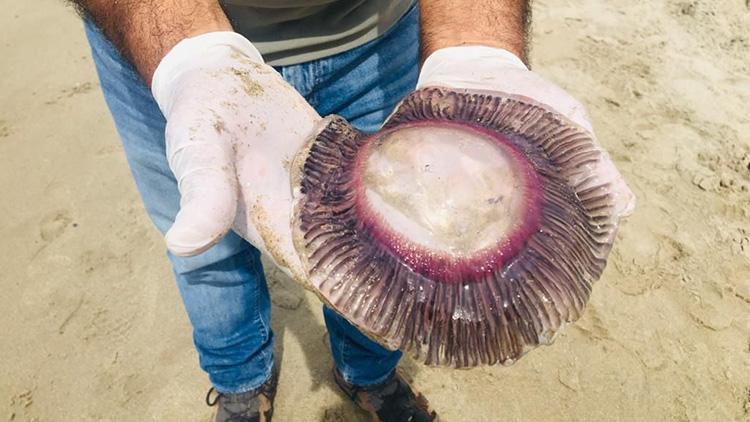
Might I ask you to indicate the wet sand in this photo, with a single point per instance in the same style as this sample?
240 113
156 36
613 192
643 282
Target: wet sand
93 327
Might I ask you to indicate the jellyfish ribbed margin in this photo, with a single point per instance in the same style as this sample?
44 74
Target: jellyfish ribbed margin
485 306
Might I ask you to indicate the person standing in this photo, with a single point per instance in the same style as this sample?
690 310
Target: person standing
166 64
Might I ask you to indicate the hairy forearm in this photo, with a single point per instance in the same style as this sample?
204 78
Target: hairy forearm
494 23
145 30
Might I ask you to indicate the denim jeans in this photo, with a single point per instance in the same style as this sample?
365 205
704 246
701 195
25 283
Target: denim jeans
224 289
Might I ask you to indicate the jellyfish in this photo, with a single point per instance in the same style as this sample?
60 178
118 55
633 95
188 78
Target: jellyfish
467 231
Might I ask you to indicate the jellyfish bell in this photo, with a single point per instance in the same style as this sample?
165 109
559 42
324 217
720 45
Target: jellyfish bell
444 197
468 230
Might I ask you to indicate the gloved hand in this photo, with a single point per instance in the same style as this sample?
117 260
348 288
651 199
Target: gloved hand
497 70
230 118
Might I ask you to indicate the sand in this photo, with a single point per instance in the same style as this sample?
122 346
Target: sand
93 327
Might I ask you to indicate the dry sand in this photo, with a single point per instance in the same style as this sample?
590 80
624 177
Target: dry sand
93 328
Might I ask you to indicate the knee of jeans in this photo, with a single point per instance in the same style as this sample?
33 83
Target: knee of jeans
230 254
228 305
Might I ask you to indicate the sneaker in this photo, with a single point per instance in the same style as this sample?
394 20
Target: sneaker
251 406
393 400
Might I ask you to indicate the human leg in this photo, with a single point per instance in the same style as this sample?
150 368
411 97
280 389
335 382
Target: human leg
224 289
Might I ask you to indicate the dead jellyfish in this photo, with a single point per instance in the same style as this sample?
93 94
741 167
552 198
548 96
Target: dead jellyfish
467 230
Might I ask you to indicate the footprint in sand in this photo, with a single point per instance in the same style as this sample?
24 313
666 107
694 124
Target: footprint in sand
342 413
53 225
78 88
4 129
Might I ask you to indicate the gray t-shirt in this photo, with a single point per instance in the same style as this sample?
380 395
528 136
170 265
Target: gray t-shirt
294 31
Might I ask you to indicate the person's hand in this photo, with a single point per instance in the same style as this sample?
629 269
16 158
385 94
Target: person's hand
497 70
233 127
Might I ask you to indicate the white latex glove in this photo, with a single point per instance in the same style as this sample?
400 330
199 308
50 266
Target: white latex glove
497 70
230 118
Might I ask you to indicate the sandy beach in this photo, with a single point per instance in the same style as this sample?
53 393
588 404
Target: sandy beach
93 328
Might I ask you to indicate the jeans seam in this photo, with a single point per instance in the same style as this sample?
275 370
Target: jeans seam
346 370
258 287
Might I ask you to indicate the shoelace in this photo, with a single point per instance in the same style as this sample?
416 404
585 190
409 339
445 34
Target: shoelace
213 402
237 417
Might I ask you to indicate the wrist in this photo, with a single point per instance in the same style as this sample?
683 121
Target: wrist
517 49
202 50
446 65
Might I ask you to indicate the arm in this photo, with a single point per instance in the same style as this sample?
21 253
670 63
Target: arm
144 31
232 122
493 23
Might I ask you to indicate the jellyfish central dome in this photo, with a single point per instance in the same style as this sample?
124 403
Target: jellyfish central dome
448 188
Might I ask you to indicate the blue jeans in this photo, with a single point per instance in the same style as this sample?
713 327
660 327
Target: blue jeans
224 289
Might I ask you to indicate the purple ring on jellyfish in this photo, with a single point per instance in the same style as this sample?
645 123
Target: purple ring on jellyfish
435 264
468 230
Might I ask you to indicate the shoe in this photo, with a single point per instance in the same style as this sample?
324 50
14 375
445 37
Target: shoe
250 406
393 400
